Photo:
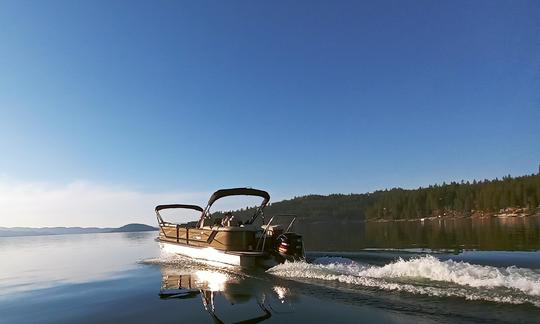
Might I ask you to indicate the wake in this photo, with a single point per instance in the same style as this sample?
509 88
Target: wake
425 275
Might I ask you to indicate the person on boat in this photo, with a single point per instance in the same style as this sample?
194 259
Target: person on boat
226 221
230 220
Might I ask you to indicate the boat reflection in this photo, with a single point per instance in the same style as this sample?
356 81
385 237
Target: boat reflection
227 294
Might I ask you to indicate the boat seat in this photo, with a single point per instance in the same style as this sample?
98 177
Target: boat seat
244 228
235 222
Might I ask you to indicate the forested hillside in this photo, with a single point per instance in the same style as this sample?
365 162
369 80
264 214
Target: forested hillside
522 194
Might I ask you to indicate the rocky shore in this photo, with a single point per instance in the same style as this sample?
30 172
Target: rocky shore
511 212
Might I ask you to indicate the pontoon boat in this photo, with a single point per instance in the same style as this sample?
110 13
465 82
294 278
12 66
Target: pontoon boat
228 239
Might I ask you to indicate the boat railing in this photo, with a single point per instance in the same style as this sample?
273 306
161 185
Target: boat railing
267 226
188 238
177 227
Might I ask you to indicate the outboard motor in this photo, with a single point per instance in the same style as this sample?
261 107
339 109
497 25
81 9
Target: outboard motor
290 246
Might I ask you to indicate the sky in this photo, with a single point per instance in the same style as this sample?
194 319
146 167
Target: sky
108 108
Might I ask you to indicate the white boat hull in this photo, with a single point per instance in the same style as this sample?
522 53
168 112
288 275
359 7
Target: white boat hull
241 259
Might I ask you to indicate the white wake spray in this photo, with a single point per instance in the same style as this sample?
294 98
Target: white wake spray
425 275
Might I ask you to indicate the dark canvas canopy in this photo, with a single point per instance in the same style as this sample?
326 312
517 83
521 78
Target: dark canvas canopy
160 207
239 192
194 207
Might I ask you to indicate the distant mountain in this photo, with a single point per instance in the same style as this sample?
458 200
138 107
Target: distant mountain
28 231
134 228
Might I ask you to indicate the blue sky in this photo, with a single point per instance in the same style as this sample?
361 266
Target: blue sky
304 97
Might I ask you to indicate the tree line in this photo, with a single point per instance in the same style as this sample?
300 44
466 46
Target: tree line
452 199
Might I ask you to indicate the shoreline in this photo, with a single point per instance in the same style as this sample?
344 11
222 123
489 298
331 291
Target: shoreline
483 215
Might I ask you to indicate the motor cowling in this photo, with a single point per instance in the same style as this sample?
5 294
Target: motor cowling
290 246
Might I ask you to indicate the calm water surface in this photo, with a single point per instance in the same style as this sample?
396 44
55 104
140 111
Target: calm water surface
493 234
119 277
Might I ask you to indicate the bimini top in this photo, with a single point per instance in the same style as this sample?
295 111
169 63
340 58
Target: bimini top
239 192
171 206
194 207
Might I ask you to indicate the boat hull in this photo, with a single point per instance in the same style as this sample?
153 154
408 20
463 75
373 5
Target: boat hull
235 258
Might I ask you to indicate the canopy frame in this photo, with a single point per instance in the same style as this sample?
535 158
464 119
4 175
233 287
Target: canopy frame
171 206
237 192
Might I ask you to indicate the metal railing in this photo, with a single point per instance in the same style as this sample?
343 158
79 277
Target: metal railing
267 225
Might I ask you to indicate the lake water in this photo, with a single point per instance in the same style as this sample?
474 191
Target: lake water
119 277
489 234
